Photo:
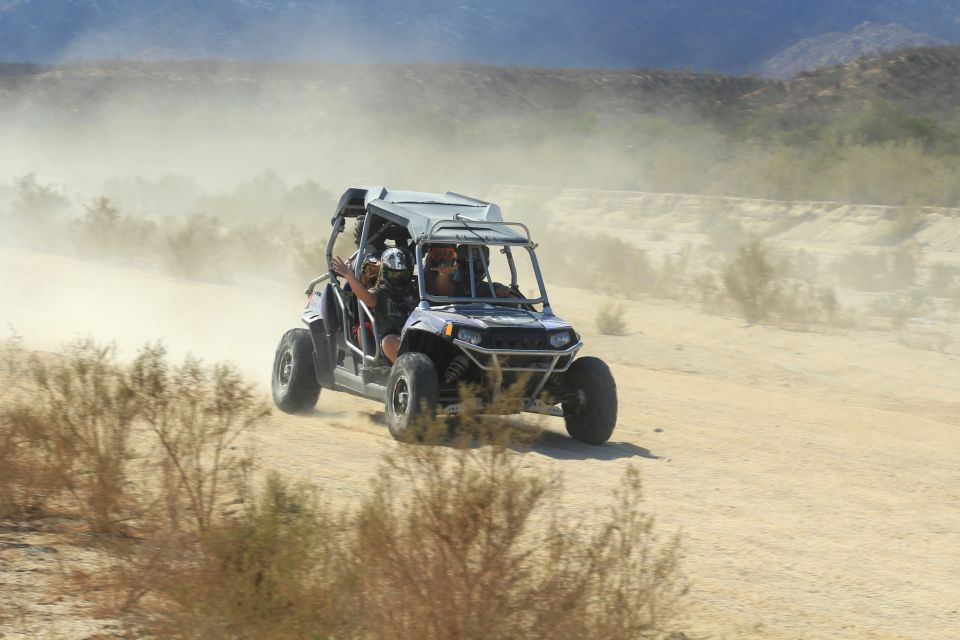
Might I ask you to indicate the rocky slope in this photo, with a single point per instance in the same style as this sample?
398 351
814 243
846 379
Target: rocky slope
836 48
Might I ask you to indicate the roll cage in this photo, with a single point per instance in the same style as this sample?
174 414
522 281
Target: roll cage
454 228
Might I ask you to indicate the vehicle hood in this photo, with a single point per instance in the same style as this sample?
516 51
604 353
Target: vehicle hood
486 317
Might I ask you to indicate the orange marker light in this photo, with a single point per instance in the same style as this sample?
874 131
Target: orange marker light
448 329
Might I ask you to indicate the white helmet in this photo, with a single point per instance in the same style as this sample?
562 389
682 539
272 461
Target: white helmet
396 266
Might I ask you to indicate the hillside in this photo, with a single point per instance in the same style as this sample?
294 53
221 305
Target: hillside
925 80
920 80
835 48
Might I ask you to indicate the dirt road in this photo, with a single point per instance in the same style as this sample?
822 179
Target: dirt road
816 477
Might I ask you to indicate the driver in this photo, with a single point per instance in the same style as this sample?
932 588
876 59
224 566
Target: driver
478 256
392 300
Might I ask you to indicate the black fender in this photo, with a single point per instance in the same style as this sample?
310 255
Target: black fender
322 317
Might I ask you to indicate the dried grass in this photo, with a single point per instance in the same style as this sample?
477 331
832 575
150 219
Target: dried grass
455 539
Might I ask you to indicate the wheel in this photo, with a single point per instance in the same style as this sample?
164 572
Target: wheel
412 389
294 380
591 411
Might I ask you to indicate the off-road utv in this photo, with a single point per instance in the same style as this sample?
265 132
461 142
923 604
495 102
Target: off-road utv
496 341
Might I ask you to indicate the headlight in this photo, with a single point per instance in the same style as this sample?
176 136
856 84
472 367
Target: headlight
560 339
469 336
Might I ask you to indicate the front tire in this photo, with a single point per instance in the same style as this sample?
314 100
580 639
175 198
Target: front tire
294 380
591 411
412 390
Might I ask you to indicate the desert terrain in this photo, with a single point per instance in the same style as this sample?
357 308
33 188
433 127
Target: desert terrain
812 473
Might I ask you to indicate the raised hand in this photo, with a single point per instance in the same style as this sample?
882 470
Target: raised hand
341 268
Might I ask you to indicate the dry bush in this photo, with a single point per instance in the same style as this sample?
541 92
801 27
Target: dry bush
899 309
725 233
455 540
944 280
905 223
467 545
750 279
65 436
798 265
712 295
36 209
610 319
105 232
889 270
276 570
69 432
599 262
955 299
12 356
193 248
199 416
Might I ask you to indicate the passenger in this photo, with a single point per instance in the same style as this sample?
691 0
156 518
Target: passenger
441 269
369 272
392 299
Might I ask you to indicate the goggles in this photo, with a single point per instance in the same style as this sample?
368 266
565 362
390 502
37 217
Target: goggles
401 276
443 254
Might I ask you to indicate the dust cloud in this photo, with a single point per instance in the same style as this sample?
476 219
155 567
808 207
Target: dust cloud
130 192
188 203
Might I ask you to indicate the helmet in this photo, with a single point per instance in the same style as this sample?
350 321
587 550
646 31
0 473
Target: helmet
467 254
396 266
440 254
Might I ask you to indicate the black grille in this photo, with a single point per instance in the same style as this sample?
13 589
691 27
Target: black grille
513 339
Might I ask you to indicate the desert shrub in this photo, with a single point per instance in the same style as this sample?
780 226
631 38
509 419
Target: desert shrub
466 546
888 270
267 196
897 308
459 540
610 319
199 415
955 299
725 233
893 174
272 571
600 262
885 122
35 212
711 292
193 248
65 435
69 431
943 279
905 223
105 232
799 265
800 302
750 279
829 303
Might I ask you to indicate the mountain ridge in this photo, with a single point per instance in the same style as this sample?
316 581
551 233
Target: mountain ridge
735 37
924 80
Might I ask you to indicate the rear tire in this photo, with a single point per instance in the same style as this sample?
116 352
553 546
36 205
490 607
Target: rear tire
591 412
294 380
412 390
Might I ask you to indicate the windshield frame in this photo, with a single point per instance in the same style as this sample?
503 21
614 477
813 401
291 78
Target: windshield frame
428 300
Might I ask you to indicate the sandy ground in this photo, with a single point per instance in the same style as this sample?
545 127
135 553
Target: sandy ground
815 477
